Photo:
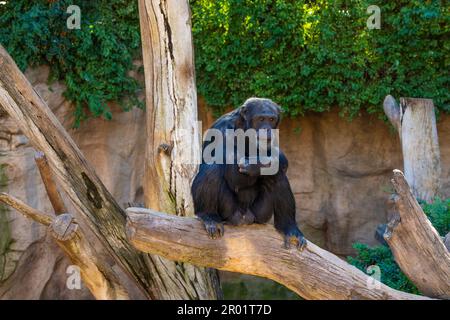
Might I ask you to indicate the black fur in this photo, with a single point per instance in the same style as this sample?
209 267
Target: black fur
237 193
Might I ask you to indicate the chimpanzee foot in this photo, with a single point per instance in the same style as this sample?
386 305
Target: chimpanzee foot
296 238
248 217
214 229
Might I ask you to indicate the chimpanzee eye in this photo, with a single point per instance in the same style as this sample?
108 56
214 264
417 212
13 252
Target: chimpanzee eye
272 119
261 119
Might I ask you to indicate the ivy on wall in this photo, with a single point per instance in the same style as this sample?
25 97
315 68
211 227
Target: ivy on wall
313 55
93 61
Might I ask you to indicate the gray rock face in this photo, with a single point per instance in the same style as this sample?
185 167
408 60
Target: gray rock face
339 172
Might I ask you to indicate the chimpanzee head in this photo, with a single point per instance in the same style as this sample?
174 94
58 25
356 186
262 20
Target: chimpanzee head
260 113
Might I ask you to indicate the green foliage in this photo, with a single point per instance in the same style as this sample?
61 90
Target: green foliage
381 256
93 61
246 287
313 55
439 214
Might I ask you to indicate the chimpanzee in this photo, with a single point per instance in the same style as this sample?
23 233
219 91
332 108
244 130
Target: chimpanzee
237 193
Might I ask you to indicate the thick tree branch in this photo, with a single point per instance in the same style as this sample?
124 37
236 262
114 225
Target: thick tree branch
416 245
96 274
257 250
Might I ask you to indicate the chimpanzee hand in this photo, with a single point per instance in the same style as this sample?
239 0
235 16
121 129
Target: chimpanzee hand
252 166
295 237
214 229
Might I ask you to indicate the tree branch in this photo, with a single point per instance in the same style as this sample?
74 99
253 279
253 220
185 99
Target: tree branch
257 250
25 209
97 275
416 245
49 183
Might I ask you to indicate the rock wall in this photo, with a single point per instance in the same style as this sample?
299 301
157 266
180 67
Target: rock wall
339 172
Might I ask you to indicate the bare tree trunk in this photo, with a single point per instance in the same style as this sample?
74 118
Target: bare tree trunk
415 122
416 245
256 249
171 102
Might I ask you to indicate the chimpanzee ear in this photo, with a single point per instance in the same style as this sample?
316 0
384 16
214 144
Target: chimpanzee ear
243 112
279 110
241 117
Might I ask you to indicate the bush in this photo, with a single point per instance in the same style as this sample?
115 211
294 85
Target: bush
439 214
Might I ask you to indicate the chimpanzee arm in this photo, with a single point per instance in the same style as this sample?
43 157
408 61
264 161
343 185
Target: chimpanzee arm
284 213
276 198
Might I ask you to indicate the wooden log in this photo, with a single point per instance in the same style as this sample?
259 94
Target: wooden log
95 273
257 250
415 122
173 138
94 204
416 245
49 183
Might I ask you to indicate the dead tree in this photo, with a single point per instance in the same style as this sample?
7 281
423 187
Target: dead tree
97 275
416 245
171 100
415 121
93 203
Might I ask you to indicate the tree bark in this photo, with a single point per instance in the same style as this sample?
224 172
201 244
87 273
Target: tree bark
173 140
257 250
415 122
95 205
416 245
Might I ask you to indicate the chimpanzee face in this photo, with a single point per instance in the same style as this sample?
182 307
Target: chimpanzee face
258 113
